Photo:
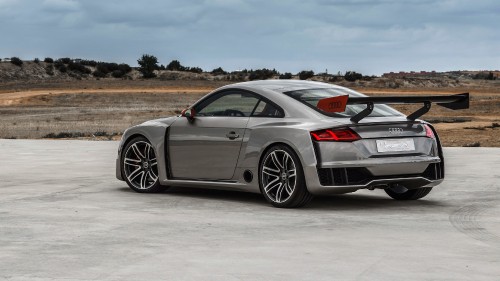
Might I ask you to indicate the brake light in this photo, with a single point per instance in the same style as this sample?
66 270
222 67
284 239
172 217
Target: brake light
344 134
428 132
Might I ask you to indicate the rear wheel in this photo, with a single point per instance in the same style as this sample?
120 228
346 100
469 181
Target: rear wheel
399 192
281 178
140 166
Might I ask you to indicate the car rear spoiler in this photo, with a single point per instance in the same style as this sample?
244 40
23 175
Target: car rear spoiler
339 103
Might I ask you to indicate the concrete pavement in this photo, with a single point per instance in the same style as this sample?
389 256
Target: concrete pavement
64 216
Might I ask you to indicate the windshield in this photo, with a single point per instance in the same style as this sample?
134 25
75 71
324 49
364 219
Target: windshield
311 98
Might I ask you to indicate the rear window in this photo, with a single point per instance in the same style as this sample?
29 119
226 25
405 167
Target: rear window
311 97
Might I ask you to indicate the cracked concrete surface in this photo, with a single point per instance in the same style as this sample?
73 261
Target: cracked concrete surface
64 216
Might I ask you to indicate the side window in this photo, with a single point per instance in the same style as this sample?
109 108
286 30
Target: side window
237 104
265 109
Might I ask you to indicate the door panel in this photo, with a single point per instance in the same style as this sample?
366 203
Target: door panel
207 148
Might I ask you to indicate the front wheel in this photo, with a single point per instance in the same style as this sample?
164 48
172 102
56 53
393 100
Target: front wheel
399 192
281 178
140 166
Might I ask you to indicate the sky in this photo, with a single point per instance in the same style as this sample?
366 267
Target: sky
367 36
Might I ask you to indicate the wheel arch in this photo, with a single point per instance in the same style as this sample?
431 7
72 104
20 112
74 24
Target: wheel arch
271 145
154 132
126 141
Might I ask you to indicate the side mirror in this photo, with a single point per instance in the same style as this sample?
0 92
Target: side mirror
188 113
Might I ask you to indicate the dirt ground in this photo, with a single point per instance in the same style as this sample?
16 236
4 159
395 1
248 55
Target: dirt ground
103 109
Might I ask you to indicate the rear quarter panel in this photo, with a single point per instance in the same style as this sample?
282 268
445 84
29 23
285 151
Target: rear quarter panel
262 133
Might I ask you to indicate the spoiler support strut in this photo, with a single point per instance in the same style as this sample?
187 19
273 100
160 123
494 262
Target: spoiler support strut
369 108
421 111
460 101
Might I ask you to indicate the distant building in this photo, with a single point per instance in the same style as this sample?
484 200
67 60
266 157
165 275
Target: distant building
412 74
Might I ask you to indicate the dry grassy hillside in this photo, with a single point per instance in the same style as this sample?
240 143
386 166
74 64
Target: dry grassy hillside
38 105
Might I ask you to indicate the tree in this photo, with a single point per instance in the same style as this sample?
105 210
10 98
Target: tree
194 69
65 60
352 76
147 65
218 71
17 61
262 74
286 75
306 74
175 65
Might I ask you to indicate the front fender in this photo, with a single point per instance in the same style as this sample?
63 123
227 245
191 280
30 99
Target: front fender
154 131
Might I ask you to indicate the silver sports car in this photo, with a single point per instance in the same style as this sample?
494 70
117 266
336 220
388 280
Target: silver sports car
289 140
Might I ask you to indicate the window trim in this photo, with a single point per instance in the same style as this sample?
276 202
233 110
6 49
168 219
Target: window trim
221 93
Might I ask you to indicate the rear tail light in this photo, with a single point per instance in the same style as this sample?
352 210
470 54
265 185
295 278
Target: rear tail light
343 134
428 132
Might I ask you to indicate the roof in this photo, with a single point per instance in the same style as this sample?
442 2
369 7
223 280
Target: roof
285 85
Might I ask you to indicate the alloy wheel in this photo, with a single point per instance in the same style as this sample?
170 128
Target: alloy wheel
140 165
279 176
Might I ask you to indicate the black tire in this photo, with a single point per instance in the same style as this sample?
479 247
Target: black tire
299 195
410 194
139 163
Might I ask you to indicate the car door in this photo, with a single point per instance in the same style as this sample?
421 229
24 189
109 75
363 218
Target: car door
207 147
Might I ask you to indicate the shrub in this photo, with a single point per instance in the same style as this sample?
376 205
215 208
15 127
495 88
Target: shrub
262 74
48 60
75 75
147 65
117 73
306 74
175 65
125 68
286 75
194 69
65 60
16 61
89 62
352 76
49 69
99 74
78 67
36 60
103 67
59 65
484 76
64 135
109 67
218 71
63 69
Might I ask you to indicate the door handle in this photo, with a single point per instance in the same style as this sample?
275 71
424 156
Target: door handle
232 135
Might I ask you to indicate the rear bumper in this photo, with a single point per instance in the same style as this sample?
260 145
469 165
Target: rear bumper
337 180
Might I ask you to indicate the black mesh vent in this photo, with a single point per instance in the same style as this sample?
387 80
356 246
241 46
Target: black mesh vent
343 176
325 176
433 172
353 176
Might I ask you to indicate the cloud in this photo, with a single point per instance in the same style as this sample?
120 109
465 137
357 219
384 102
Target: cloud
364 35
60 5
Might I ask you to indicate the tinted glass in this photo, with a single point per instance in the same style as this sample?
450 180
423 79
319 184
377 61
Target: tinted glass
229 104
311 97
265 109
